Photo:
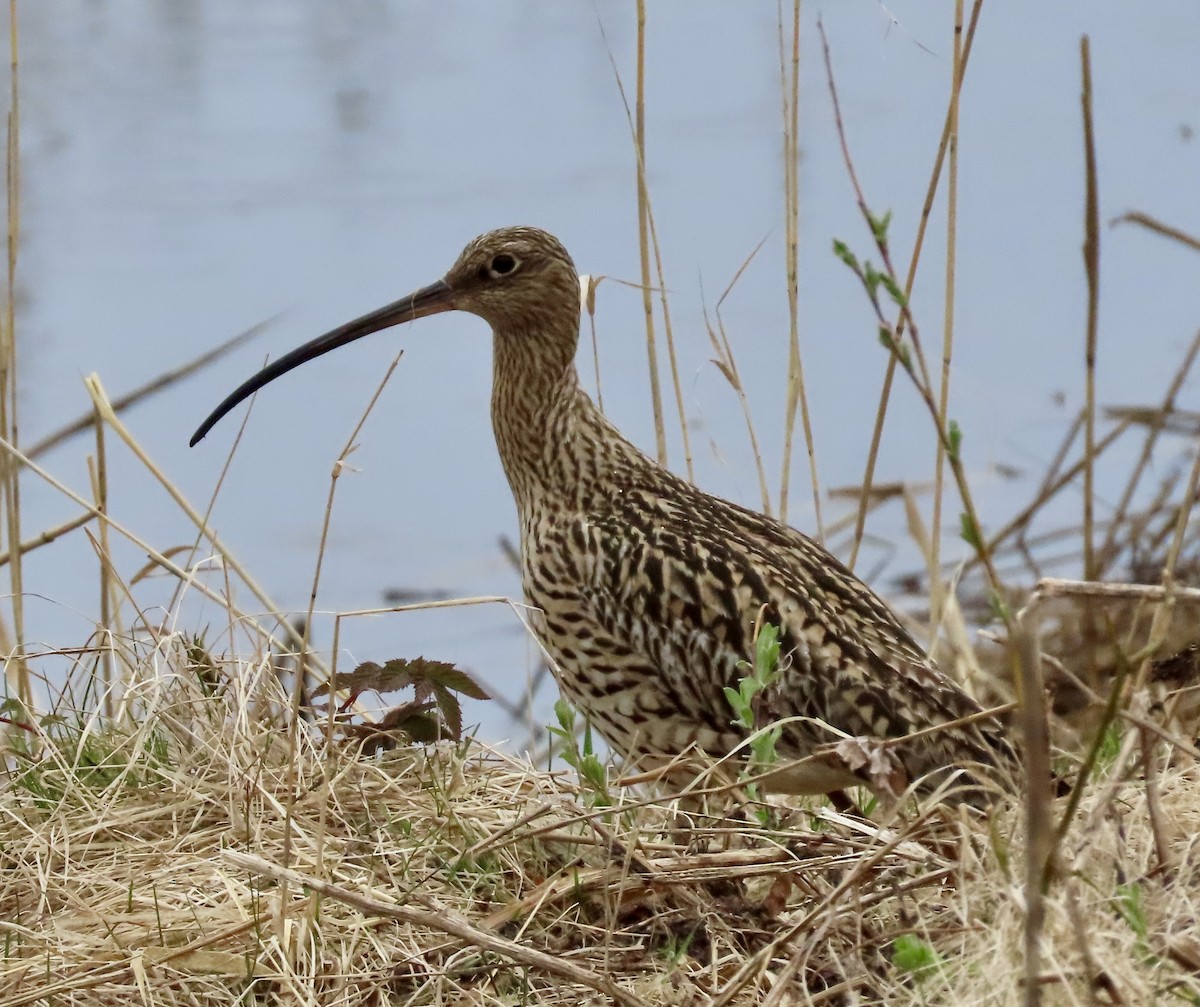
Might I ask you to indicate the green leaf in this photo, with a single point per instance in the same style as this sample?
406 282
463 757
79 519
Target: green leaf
899 350
893 289
1110 746
450 709
593 771
879 226
588 750
766 653
872 278
1129 905
1000 845
565 714
763 744
954 436
400 673
741 710
450 676
914 956
970 532
842 251
1000 608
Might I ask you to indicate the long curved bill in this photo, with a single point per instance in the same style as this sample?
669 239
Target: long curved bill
429 300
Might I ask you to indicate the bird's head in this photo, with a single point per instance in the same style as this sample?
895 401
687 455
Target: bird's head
518 279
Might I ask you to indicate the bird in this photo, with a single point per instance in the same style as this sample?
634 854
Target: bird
647 592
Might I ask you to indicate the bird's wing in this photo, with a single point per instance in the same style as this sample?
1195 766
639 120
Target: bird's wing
684 578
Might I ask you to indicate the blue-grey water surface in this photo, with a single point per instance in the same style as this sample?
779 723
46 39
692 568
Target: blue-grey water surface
189 169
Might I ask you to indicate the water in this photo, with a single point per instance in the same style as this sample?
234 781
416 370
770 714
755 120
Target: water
191 169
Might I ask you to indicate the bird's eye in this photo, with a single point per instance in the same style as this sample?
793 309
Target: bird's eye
502 264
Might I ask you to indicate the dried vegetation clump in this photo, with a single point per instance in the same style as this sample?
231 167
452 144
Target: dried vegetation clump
146 859
179 828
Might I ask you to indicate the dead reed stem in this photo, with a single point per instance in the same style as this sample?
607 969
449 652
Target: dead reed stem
16 669
1091 260
936 588
643 205
797 391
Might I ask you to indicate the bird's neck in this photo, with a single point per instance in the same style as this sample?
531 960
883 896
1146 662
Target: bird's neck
552 439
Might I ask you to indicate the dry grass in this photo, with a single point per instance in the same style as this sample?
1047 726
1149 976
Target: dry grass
458 875
174 831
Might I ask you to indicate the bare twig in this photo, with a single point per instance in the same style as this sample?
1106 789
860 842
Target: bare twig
1150 770
1157 422
49 535
727 364
1158 227
1091 261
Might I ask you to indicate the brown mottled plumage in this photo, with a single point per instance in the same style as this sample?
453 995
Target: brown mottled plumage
648 589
